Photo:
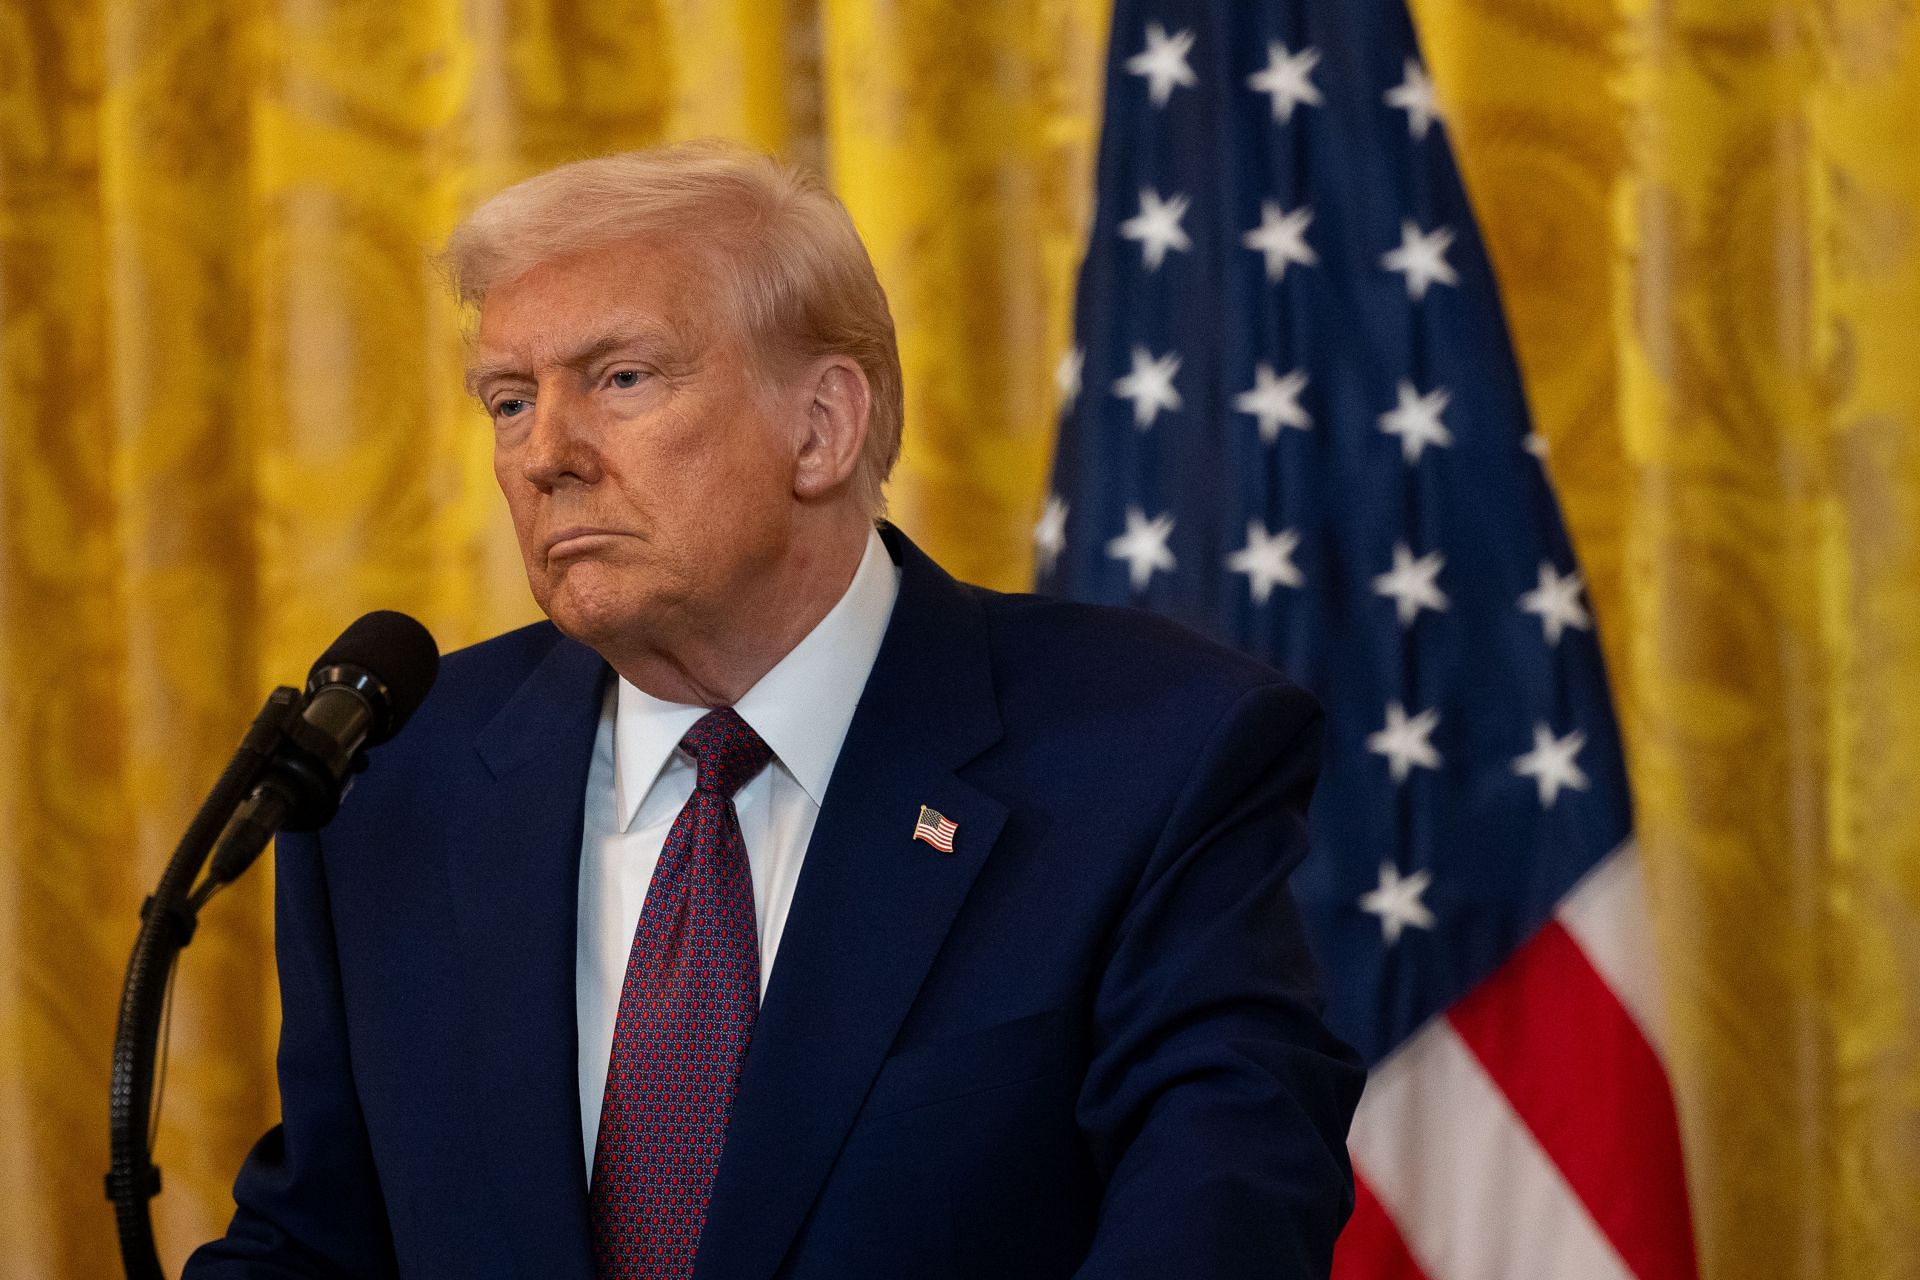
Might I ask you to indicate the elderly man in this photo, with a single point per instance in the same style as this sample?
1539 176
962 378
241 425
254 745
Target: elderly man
785 907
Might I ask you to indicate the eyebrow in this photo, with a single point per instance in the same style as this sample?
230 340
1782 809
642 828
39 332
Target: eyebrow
608 342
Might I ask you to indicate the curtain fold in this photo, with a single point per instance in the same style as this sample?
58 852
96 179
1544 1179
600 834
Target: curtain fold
231 421
962 138
1704 219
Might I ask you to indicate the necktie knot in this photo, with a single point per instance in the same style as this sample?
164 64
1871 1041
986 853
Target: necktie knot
726 751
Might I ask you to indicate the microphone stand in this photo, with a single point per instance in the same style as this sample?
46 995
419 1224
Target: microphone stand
167 921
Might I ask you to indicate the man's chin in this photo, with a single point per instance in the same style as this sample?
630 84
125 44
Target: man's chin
591 627
597 619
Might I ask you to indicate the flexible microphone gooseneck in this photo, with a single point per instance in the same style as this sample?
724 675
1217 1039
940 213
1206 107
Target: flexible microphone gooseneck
294 765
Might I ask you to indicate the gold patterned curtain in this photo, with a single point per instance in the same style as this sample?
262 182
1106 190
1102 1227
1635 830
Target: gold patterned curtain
1705 215
230 421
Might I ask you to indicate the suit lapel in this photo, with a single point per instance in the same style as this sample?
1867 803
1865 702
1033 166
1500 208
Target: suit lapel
870 912
513 868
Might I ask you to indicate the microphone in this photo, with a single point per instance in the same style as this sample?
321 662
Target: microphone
292 768
359 694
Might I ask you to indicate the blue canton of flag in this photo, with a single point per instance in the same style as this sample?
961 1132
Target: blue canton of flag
1293 421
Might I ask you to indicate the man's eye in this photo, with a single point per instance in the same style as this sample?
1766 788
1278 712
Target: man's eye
627 379
509 408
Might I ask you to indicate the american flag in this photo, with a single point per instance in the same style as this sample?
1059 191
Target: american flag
1292 419
935 828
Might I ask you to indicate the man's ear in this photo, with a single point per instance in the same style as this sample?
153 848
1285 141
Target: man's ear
836 426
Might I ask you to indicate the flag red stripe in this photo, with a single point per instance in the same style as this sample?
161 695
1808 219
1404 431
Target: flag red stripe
1582 1077
1371 1248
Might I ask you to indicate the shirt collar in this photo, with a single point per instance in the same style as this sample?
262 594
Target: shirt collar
801 708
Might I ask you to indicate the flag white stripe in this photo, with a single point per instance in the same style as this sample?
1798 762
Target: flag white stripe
1472 1193
1607 915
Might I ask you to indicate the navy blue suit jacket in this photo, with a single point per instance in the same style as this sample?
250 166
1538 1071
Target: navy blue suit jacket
1083 1043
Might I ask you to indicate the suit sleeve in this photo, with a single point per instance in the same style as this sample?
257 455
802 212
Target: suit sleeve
1216 1103
307 1201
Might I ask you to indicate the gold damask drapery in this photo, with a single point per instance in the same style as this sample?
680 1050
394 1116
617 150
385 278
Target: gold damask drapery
230 421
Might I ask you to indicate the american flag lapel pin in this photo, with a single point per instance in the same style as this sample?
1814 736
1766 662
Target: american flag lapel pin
935 828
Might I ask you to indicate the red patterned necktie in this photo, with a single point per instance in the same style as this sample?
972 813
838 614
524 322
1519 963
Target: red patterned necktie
687 1008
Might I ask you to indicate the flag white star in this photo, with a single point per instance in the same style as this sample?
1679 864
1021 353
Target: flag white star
1066 377
1288 79
1050 535
1535 444
1150 385
1416 420
1282 238
1143 546
1267 559
1422 258
1551 763
1275 401
1406 742
1410 583
1157 227
1557 603
1397 902
1414 95
1164 63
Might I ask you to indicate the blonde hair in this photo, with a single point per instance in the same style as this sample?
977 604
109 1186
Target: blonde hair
792 269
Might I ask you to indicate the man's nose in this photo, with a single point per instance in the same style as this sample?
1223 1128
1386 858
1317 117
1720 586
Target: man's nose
560 447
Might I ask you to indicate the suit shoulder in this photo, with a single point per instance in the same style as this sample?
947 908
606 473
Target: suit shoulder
476 681
1109 658
516 650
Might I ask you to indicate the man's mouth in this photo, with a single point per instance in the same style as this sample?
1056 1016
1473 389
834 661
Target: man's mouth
578 539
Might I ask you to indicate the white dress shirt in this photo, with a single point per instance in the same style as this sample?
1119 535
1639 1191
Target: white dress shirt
640 780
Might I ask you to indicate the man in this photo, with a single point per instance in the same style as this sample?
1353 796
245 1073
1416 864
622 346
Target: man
785 908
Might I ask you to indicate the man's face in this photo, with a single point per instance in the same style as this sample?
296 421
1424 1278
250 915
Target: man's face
649 473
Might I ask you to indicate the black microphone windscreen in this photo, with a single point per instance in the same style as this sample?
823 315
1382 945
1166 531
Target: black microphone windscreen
396 649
